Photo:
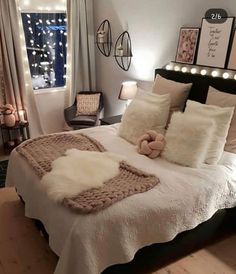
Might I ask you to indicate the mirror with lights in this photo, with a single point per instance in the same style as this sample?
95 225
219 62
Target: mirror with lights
104 38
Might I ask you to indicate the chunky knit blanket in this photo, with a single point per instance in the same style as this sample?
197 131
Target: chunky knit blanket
42 151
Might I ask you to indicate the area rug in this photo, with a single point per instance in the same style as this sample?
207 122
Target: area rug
3 172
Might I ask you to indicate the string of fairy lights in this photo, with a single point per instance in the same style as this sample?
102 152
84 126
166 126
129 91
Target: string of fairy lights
208 71
46 42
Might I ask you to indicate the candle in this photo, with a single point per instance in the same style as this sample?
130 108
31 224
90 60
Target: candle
21 115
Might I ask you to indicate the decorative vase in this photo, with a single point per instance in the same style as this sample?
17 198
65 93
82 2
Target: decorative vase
9 120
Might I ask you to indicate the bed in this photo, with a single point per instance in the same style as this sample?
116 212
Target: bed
88 244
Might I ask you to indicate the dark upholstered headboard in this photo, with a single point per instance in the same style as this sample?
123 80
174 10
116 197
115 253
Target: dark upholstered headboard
201 83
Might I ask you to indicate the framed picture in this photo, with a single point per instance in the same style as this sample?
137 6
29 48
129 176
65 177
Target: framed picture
232 56
187 45
214 42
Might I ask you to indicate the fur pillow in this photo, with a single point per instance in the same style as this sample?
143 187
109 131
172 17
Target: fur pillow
187 139
222 118
223 99
146 111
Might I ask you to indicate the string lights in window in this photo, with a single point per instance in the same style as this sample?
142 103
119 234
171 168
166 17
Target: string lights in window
194 69
46 44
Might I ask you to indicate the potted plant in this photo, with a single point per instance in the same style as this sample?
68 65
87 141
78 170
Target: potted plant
9 118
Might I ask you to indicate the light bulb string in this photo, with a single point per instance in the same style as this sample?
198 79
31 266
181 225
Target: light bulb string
64 49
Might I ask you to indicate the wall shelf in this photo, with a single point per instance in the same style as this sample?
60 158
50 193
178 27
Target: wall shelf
123 51
104 38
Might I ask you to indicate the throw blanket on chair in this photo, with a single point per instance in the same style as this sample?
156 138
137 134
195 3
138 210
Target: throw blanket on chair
43 152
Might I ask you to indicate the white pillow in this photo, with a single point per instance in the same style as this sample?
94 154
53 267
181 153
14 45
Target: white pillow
146 111
222 118
223 99
178 91
187 139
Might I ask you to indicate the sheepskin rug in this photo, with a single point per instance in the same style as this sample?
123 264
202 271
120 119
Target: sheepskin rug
78 171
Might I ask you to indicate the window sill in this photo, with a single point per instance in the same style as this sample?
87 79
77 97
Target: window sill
48 90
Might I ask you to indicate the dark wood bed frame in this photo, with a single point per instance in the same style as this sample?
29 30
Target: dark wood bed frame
201 83
153 257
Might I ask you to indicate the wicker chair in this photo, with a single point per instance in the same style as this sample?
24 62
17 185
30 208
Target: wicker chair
83 120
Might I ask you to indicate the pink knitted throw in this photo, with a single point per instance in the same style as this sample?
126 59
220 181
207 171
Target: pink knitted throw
42 151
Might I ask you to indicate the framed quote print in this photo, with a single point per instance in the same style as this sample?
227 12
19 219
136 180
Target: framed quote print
214 42
188 38
232 56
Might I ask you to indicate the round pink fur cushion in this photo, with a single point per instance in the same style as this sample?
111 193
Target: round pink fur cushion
151 144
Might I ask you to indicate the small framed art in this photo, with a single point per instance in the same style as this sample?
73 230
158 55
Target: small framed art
187 45
232 56
214 42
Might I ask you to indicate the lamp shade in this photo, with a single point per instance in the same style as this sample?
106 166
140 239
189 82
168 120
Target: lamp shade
128 90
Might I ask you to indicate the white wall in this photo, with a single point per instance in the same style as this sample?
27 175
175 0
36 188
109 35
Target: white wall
154 27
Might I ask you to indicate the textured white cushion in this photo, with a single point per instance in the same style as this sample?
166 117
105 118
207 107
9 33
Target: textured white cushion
223 99
87 104
187 139
146 111
178 91
222 118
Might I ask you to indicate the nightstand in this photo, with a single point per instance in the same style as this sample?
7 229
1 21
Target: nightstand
111 120
13 136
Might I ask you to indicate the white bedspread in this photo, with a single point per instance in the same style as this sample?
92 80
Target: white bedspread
87 244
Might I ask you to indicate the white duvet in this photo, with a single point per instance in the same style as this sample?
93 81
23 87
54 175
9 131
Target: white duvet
87 244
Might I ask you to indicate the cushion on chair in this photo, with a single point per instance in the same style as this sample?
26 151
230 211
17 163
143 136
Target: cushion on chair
87 104
84 120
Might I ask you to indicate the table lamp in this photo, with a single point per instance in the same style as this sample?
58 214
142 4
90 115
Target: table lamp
128 91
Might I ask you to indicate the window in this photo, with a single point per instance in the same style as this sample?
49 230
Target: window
45 36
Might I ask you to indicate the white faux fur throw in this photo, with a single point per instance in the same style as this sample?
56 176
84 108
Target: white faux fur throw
78 171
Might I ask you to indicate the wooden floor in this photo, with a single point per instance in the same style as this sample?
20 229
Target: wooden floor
22 248
24 251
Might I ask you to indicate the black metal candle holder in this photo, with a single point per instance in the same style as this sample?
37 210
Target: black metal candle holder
123 51
104 38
